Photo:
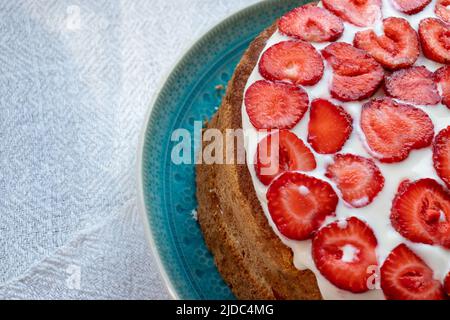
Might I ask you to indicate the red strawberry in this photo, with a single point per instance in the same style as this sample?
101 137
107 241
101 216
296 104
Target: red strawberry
393 129
415 85
435 38
442 77
358 179
298 204
405 276
344 253
295 62
311 23
272 105
329 127
280 152
397 48
442 11
441 155
356 74
361 13
411 6
421 212
447 285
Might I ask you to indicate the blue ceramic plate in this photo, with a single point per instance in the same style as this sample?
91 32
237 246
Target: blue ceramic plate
168 190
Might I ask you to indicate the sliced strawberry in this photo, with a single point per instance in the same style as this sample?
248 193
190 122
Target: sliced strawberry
447 285
329 127
421 212
280 152
435 38
393 129
415 85
397 48
298 204
362 13
295 62
359 179
405 276
311 23
272 105
442 77
441 155
343 252
442 10
411 6
356 74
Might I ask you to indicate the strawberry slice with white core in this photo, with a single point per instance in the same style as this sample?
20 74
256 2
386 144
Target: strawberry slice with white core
421 212
435 38
344 254
299 204
447 285
329 127
414 85
356 75
442 10
442 77
410 6
311 23
359 179
392 130
397 48
272 105
441 155
280 152
296 62
362 13
405 276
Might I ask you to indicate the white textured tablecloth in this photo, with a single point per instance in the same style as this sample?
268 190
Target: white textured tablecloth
76 78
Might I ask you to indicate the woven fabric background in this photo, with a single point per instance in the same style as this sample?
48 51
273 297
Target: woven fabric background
76 79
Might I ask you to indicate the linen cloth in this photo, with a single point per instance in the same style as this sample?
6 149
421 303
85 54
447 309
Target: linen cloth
76 79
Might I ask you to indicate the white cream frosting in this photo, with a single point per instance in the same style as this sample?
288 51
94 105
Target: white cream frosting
377 214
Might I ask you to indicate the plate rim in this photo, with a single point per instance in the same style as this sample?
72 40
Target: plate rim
149 114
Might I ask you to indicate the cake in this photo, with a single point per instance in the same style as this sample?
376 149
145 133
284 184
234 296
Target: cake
343 110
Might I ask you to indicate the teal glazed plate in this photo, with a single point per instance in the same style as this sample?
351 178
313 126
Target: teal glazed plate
167 191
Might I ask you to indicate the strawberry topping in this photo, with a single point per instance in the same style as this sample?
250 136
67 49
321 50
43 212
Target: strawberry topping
442 10
441 155
356 74
415 85
435 37
397 48
411 6
362 13
442 77
275 105
392 130
344 252
299 204
295 62
311 23
358 179
280 152
329 127
421 212
447 285
405 276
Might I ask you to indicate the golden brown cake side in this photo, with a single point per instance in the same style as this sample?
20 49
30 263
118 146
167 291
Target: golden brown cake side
249 255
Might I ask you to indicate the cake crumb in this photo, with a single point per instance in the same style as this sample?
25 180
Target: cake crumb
194 214
219 87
